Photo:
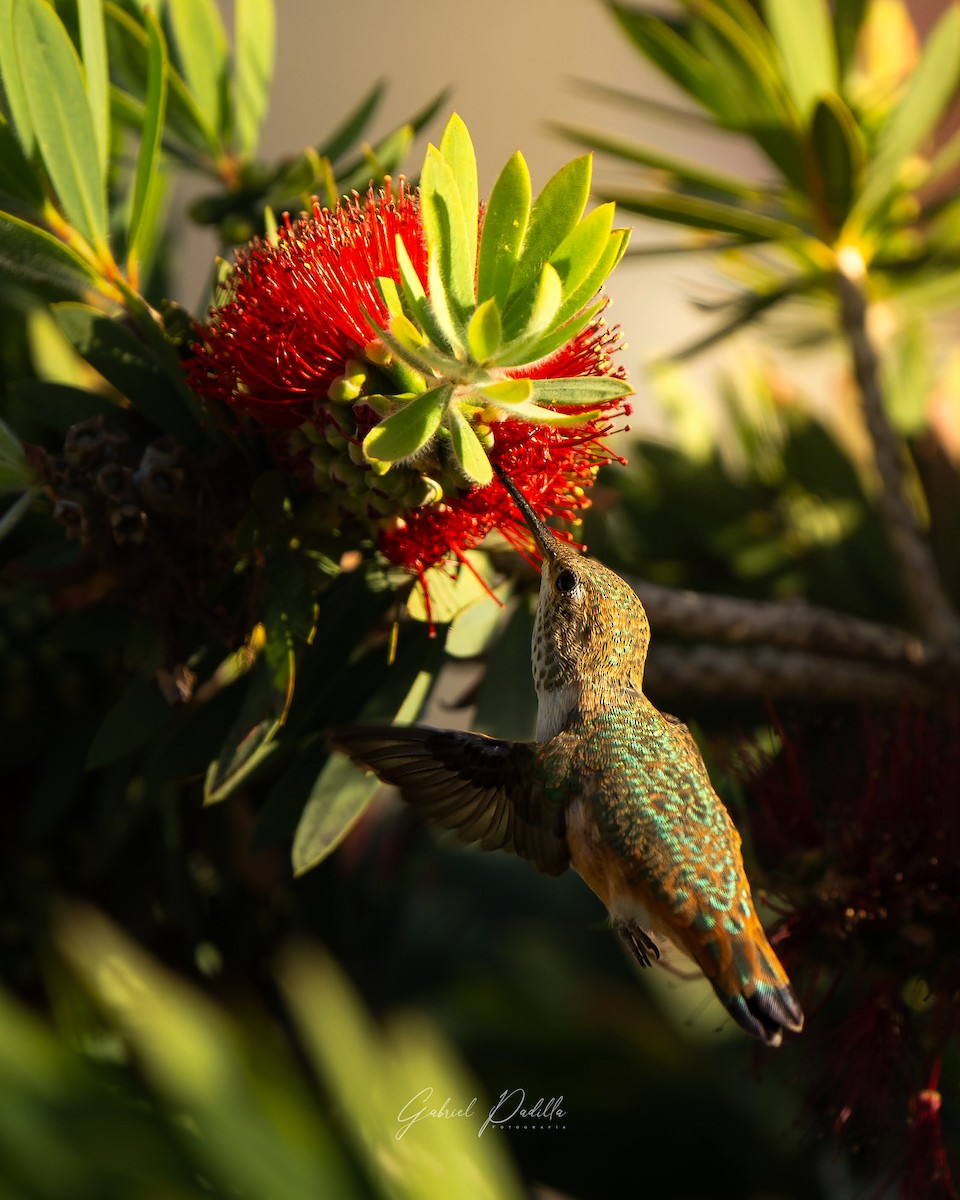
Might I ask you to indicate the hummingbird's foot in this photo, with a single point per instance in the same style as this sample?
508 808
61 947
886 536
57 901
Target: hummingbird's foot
640 944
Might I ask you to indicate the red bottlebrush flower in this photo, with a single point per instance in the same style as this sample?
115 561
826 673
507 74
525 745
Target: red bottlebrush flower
291 347
857 819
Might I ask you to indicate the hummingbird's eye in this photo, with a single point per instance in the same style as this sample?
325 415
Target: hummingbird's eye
566 581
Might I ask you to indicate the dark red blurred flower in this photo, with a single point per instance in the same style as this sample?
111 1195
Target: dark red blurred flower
292 327
857 819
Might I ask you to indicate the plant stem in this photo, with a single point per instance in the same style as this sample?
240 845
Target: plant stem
932 607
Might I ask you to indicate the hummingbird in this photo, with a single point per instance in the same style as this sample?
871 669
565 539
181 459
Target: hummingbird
610 786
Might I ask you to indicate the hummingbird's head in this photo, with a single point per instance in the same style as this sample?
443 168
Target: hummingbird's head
591 627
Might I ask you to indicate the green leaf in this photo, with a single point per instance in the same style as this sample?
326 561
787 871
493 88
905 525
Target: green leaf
467 448
61 117
134 720
524 351
342 791
847 19
578 254
14 88
804 37
667 50
125 362
147 178
416 298
405 432
42 262
93 46
338 799
256 43
12 517
686 174
556 212
839 155
507 391
932 84
457 149
484 333
450 271
504 226
202 52
584 389
529 410
351 129
750 226
252 738
532 312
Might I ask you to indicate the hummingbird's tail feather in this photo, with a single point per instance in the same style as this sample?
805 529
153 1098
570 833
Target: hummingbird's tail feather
754 988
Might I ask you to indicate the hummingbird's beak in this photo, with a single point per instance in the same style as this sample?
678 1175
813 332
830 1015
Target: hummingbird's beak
542 534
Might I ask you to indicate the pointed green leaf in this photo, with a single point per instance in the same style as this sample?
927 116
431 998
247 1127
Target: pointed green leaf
457 148
932 84
484 332
406 431
201 45
42 262
14 88
749 225
839 155
582 389
416 298
390 294
804 37
256 43
467 448
12 516
352 128
93 46
507 391
533 413
61 117
546 303
405 332
847 19
504 226
668 51
587 288
556 211
147 180
578 254
337 800
450 269
341 792
685 173
425 359
525 351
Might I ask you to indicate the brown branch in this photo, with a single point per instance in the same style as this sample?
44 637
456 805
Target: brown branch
793 625
750 671
932 606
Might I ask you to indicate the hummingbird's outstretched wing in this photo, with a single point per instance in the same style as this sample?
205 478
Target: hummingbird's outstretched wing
487 791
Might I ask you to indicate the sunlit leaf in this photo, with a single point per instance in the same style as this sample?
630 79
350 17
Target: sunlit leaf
93 46
469 453
61 116
405 431
504 226
255 41
804 37
201 45
147 178
39 260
